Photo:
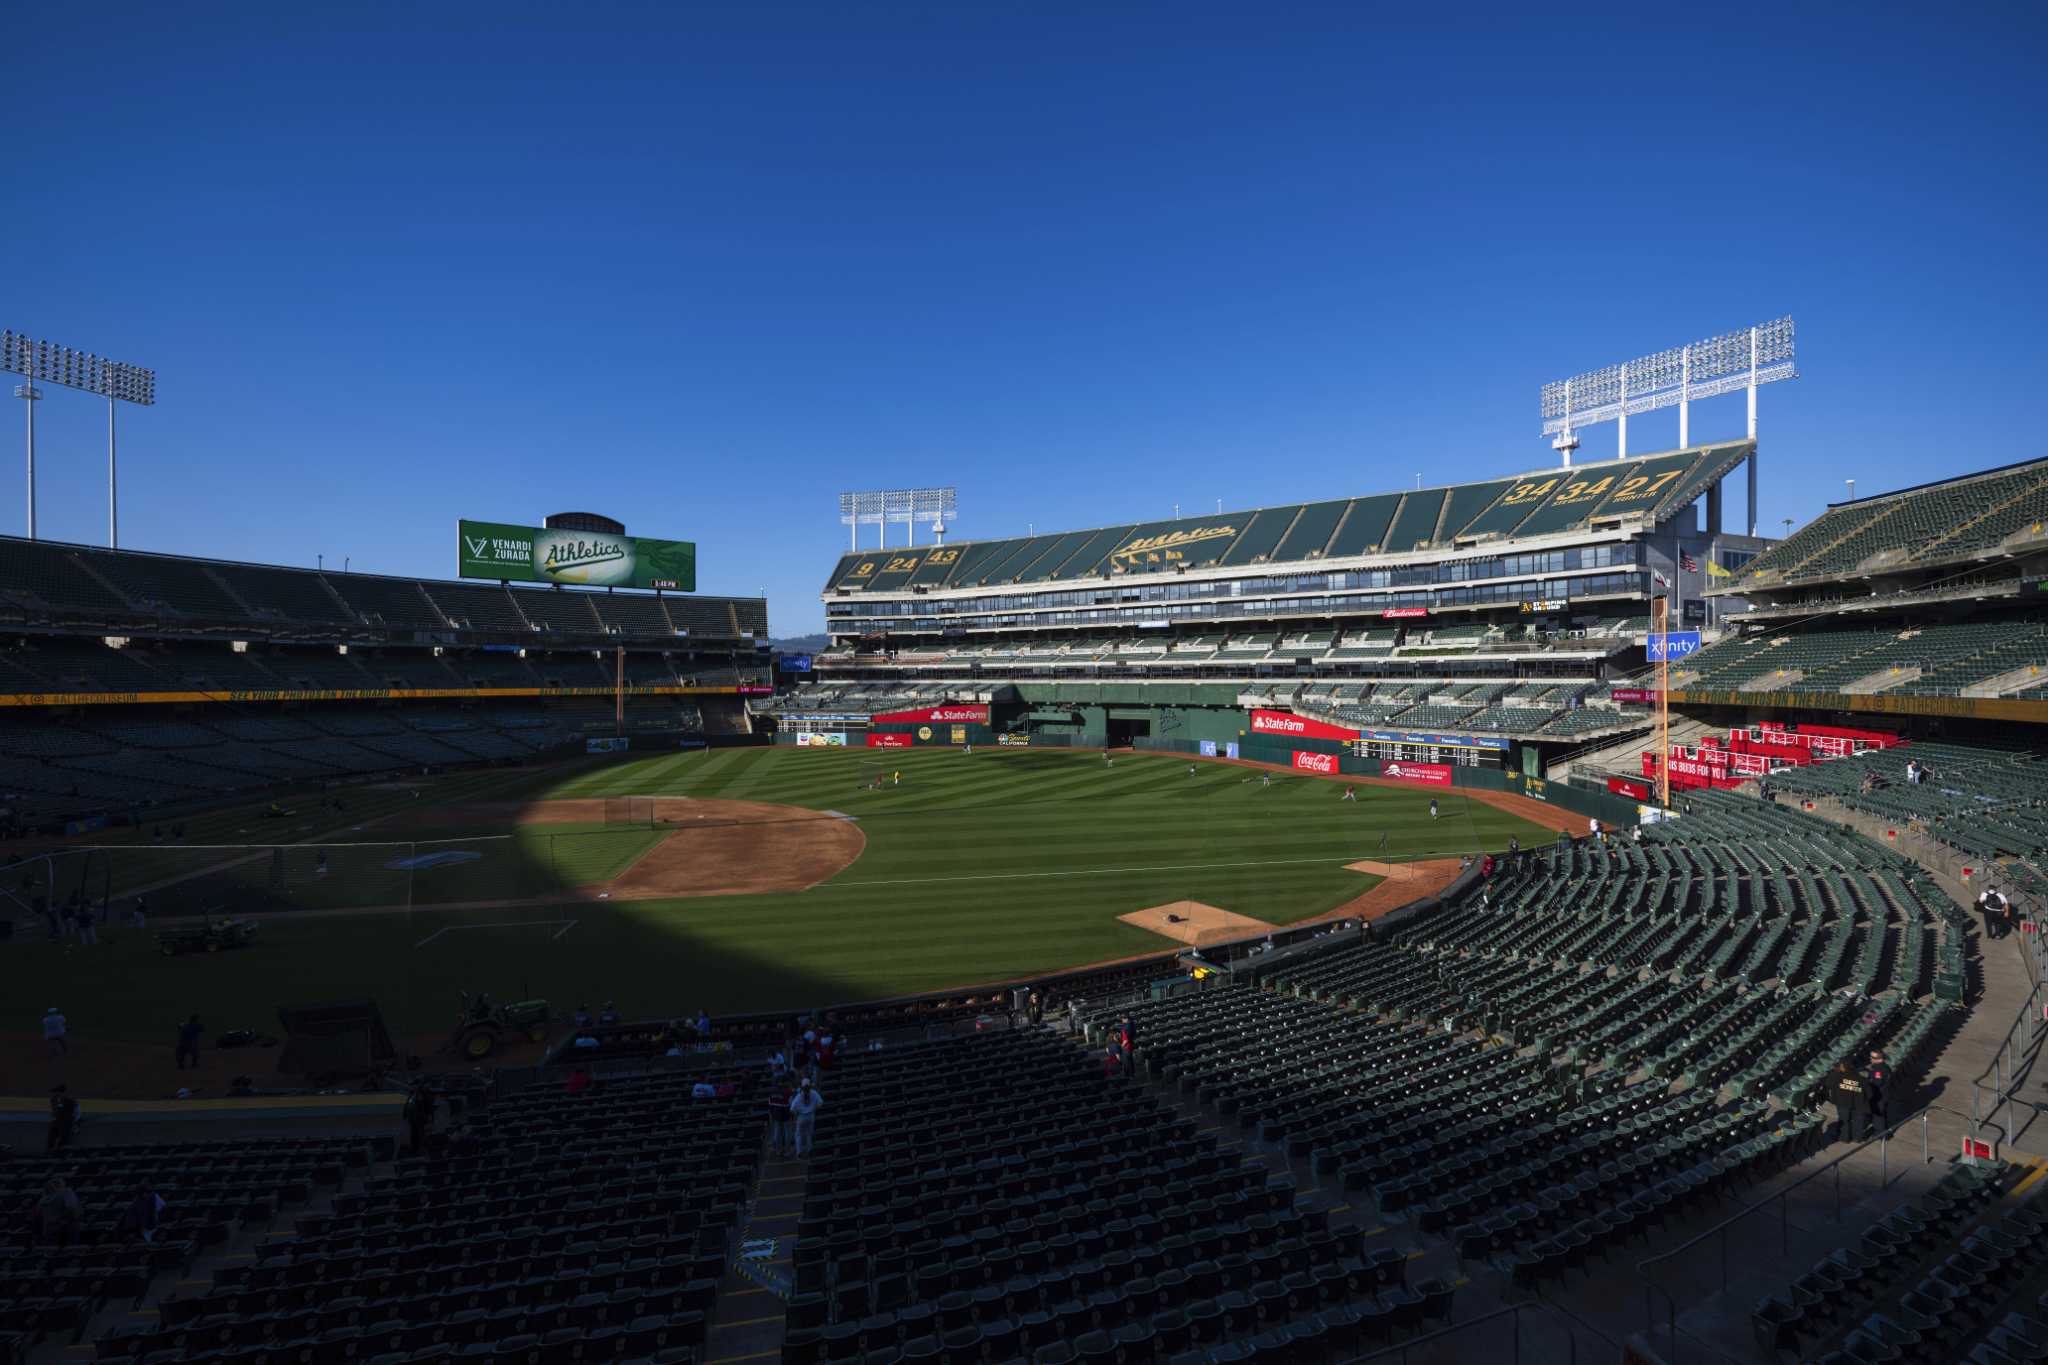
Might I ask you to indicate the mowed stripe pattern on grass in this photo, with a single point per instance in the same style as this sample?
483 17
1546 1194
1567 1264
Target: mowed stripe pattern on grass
976 868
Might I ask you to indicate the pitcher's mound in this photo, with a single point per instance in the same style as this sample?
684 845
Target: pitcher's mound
1194 923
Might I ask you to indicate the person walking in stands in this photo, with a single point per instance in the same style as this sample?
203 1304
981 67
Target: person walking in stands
188 1042
1034 1008
1876 1086
1994 906
81 920
140 917
1112 1061
804 1104
1593 828
56 1032
419 1114
63 1119
1486 867
779 1096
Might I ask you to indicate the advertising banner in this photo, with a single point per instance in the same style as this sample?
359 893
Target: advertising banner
1230 748
1299 727
1403 613
533 554
1673 645
1208 748
959 734
1646 695
1436 741
1316 763
1635 791
937 715
822 740
1014 741
888 741
616 744
1429 774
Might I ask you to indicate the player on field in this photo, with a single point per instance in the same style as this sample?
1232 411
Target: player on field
1265 779
1350 792
1432 808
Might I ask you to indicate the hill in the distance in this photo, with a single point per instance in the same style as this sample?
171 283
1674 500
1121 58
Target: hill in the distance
801 644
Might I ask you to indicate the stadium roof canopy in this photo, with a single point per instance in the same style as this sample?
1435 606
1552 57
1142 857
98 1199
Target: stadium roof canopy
1554 501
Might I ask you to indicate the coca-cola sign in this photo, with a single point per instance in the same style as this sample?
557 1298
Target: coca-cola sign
1315 763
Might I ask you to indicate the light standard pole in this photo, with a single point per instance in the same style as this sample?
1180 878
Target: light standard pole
29 395
111 379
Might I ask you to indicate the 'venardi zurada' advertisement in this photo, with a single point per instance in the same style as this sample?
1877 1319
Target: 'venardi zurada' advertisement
532 554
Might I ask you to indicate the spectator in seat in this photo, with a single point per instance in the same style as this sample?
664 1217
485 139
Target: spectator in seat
579 1082
581 1018
142 1216
56 1032
703 1026
609 1014
804 1105
59 1213
188 1042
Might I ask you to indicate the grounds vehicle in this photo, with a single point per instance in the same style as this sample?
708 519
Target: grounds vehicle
210 937
484 1024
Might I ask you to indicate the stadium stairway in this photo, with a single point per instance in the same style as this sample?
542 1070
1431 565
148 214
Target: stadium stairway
1625 755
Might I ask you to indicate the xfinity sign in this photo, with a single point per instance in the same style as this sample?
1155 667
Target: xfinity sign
1673 645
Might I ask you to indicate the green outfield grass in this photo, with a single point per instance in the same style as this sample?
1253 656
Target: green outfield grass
976 868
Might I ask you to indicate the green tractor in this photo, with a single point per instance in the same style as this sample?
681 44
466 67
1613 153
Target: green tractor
485 1024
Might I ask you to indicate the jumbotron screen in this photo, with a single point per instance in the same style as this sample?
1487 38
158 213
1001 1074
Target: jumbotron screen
533 554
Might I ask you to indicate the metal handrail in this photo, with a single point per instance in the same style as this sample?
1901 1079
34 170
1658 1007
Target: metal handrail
1720 1229
1400 1349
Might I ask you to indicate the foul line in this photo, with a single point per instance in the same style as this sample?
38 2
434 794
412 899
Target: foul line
567 925
1098 871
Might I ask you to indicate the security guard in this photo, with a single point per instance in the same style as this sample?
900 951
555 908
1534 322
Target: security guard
1852 1103
1876 1087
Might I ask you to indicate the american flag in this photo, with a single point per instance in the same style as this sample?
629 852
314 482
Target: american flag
1689 564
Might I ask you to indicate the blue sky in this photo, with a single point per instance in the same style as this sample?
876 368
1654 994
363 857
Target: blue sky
701 268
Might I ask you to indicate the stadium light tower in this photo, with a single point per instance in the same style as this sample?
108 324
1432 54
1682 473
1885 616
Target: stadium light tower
879 507
1745 359
54 364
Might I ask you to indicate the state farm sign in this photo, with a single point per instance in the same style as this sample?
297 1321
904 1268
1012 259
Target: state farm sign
1301 727
1434 774
937 715
1315 763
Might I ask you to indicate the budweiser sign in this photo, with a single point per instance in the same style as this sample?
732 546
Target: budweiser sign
1315 763
1434 774
1403 613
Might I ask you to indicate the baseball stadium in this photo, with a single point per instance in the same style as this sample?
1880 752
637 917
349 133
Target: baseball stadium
1513 915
